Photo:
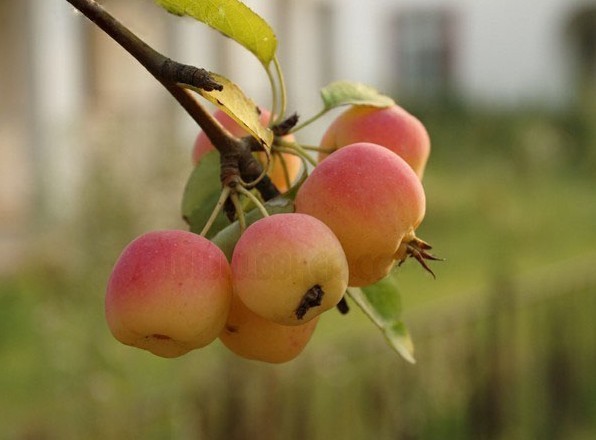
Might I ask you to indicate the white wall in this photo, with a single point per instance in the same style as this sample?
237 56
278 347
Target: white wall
508 52
512 52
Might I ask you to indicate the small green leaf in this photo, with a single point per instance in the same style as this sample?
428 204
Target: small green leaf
381 302
340 93
227 238
233 19
239 107
201 194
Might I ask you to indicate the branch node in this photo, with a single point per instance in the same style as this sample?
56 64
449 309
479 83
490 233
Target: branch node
190 75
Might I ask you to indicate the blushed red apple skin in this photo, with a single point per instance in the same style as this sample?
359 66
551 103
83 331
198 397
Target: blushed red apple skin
169 293
371 199
392 127
276 173
252 337
279 258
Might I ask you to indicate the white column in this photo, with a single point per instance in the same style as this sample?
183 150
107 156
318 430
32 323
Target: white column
357 39
56 102
303 65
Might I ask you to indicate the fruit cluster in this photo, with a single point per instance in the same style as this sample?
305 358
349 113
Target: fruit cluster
355 216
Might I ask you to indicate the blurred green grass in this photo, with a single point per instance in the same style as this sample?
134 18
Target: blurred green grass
508 194
505 193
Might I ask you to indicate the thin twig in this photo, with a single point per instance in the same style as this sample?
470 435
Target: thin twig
168 72
253 199
284 167
239 211
300 153
171 74
218 207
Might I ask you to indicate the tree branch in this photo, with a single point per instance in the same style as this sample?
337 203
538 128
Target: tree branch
170 74
157 64
165 70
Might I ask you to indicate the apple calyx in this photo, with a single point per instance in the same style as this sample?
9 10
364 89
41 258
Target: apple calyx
312 298
418 249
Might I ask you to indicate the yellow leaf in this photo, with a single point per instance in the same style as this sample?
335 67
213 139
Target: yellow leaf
233 19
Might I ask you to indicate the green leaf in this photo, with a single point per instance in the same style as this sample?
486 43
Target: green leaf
233 19
340 93
201 194
239 107
381 302
227 238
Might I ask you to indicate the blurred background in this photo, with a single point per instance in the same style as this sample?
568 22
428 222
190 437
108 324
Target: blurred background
93 152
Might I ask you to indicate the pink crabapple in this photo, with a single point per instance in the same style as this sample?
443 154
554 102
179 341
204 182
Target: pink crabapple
252 337
169 293
289 268
392 127
373 202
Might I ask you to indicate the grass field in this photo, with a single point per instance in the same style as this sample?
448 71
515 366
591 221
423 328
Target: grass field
508 196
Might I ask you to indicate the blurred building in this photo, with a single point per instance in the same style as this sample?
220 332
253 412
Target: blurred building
61 79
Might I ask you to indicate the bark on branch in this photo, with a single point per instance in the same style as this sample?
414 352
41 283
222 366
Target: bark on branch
170 74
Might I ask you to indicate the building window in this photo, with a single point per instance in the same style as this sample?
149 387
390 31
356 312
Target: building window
582 33
423 52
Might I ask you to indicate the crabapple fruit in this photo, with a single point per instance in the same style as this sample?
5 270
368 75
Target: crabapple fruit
391 127
169 293
289 268
276 172
252 337
372 201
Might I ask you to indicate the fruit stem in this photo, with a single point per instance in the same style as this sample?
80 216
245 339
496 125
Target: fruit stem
318 149
305 161
296 146
254 199
239 211
296 150
282 86
218 206
284 167
274 98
